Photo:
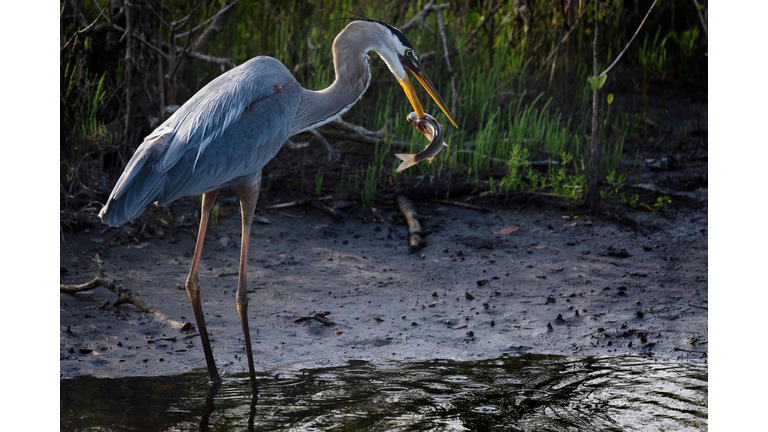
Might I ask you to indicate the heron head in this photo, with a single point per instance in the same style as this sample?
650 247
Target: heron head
399 55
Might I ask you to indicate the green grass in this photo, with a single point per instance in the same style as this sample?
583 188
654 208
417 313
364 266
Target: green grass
507 111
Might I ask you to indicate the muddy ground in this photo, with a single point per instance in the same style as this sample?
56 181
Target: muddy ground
561 284
637 279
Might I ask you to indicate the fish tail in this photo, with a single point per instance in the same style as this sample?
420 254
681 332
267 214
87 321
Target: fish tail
409 160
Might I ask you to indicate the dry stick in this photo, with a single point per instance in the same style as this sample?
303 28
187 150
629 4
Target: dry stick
123 296
224 9
128 67
335 214
628 43
420 16
225 63
464 205
592 195
83 30
471 35
333 154
447 57
297 202
703 23
341 124
415 241
563 40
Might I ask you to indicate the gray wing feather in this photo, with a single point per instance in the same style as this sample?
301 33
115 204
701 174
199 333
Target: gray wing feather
229 129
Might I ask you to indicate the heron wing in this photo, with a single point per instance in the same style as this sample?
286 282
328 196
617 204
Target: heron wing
228 129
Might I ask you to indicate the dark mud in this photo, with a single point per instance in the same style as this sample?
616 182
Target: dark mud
564 283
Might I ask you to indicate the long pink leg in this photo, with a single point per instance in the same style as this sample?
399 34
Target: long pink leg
193 287
249 194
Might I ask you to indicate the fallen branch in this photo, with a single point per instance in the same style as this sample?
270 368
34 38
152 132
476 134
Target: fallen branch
319 316
464 205
415 241
350 127
333 154
123 296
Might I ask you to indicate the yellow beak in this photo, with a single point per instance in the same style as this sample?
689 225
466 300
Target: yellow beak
411 93
418 72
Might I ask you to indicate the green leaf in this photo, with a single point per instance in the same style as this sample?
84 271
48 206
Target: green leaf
593 82
610 98
602 81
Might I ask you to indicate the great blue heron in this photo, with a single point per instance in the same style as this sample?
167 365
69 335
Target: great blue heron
227 132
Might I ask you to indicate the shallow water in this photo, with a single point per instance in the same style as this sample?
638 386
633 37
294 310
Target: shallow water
532 392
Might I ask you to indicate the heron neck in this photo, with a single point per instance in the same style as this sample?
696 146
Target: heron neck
353 75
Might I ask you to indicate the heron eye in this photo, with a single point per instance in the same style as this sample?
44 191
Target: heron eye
408 53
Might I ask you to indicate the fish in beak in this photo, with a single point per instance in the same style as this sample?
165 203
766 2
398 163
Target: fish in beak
413 65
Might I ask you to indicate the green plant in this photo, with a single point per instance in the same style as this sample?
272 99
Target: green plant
634 202
653 56
215 219
369 186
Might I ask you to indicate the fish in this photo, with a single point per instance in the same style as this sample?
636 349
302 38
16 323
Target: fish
433 130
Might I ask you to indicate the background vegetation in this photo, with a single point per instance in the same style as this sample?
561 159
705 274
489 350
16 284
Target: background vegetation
516 84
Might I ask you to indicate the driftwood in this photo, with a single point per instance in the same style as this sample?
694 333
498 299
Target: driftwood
415 242
123 296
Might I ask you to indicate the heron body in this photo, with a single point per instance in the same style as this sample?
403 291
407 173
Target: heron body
229 130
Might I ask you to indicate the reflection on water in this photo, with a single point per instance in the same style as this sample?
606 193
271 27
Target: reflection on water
532 392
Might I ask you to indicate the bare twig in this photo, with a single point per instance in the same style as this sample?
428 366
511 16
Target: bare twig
123 296
563 40
593 197
628 43
128 68
703 21
341 124
335 214
415 241
204 23
447 58
297 202
421 15
463 205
